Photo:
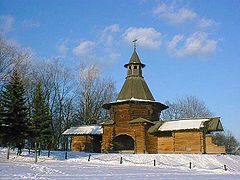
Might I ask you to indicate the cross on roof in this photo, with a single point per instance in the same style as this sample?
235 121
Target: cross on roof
134 44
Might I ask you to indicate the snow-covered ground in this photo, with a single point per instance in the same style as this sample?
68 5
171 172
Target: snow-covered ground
107 166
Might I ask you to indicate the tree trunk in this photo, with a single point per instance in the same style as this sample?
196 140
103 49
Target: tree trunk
8 151
35 152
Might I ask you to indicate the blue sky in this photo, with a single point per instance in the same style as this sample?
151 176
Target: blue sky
189 47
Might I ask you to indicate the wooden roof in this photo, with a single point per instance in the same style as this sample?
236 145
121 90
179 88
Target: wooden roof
135 87
133 100
214 124
140 120
108 122
134 59
153 129
209 124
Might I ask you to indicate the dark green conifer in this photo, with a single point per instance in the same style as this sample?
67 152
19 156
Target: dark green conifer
14 113
41 118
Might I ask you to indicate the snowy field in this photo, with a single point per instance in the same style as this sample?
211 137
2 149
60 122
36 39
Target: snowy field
107 166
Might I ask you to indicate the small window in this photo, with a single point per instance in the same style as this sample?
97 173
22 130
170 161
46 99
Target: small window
135 67
129 67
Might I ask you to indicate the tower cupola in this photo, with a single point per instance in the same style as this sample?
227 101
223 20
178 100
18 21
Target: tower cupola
135 86
135 89
134 67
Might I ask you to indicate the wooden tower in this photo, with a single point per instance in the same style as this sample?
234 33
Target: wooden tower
132 114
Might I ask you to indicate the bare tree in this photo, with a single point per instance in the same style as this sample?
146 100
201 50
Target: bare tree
58 86
187 107
13 58
92 93
71 98
7 53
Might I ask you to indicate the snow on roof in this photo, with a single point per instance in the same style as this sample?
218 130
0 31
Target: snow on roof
81 130
133 99
182 124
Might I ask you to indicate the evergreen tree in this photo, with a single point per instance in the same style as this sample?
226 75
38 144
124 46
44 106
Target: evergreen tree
14 113
41 118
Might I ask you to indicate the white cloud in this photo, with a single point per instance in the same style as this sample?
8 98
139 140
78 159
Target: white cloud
197 44
109 34
173 43
174 14
147 37
62 48
83 48
30 24
178 14
112 28
6 24
114 55
205 23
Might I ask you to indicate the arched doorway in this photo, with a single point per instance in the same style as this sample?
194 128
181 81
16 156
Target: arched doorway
123 143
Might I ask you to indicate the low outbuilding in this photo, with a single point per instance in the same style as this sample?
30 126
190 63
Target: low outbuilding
85 138
187 135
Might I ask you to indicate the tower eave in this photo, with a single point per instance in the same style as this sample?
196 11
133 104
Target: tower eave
127 101
142 65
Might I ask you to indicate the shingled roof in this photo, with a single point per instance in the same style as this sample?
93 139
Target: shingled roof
134 59
140 120
135 87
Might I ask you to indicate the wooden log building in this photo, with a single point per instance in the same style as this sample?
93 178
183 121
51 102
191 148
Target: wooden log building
85 138
135 125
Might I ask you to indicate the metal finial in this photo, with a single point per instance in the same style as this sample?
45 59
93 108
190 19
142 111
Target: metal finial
134 44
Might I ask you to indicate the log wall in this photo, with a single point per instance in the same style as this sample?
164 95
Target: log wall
212 148
188 142
151 142
82 143
107 138
165 145
182 142
122 114
87 143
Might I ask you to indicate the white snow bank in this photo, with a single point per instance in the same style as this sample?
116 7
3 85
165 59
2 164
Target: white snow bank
107 166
